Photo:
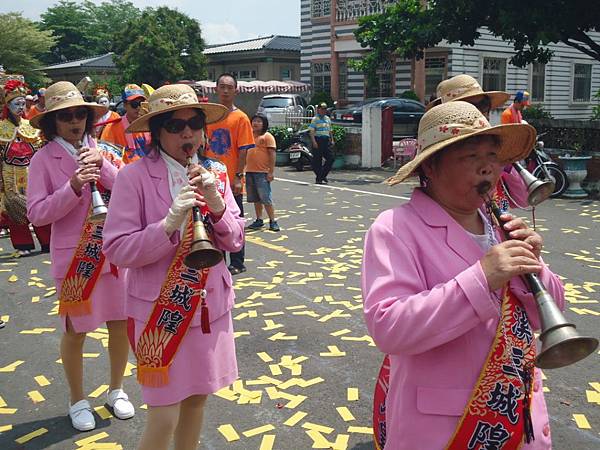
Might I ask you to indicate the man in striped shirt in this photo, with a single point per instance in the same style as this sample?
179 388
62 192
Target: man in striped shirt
322 140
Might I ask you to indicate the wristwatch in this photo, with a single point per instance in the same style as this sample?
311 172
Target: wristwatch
240 175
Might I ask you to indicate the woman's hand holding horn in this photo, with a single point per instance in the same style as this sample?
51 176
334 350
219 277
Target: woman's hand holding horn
206 184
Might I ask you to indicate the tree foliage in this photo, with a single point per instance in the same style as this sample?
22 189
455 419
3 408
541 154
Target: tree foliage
163 45
27 44
85 29
408 27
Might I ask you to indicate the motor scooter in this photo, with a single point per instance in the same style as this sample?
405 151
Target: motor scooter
299 150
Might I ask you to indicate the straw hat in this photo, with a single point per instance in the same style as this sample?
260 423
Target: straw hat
453 122
171 98
465 87
63 95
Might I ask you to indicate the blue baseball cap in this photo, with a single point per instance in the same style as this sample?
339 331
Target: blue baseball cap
131 92
522 97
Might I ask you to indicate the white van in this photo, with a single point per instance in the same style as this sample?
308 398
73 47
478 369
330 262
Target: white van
277 106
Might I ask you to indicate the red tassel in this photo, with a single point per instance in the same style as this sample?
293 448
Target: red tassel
204 320
114 270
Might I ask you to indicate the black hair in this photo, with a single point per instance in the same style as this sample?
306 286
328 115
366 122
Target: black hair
265 122
48 123
156 123
227 74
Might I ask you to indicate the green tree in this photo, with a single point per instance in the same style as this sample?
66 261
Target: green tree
27 45
109 18
86 29
70 23
409 26
163 45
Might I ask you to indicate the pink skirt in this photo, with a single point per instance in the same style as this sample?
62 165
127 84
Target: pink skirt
108 303
203 364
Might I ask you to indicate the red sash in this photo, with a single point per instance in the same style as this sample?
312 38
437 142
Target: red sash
181 293
85 268
498 410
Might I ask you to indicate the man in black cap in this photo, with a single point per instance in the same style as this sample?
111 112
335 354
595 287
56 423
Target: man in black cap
322 141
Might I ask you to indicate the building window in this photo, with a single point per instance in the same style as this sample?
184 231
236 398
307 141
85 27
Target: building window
343 80
321 77
321 8
494 74
435 72
582 82
382 85
286 74
246 75
538 82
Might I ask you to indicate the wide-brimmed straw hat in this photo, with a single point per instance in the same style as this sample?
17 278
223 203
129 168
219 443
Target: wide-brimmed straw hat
171 98
465 87
62 95
453 122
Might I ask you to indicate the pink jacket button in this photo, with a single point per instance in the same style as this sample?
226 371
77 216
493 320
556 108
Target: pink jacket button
546 430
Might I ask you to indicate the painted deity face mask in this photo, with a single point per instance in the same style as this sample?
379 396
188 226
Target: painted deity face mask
17 106
104 101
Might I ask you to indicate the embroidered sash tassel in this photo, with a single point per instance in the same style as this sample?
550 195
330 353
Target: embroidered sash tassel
204 319
153 376
75 309
528 375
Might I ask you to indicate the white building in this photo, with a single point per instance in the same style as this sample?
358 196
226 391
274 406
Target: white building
565 86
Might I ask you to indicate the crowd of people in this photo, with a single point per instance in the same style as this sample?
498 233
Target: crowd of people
441 288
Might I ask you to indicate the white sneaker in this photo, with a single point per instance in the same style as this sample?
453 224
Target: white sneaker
23 252
119 402
81 416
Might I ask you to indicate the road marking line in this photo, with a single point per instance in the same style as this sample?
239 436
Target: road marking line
342 188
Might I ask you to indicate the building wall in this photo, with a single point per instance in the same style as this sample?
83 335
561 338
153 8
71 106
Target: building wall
316 38
558 77
267 67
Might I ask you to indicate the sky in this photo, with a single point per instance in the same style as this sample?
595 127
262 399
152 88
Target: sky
221 20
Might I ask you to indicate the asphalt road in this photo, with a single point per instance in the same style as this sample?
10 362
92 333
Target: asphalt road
307 365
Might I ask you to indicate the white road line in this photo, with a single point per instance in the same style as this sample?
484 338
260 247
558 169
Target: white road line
325 186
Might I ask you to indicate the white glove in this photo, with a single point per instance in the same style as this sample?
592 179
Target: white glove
212 197
178 211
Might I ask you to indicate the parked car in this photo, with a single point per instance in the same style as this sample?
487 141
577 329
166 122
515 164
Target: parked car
276 106
407 114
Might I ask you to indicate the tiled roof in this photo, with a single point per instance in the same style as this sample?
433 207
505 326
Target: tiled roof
95 61
285 43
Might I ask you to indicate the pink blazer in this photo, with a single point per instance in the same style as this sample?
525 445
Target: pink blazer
516 188
51 200
134 238
427 305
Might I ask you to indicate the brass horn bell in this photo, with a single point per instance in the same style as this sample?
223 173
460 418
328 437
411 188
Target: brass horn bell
537 190
203 254
562 345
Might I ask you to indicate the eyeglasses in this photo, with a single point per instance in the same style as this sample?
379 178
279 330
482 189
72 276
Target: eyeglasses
135 104
67 116
178 125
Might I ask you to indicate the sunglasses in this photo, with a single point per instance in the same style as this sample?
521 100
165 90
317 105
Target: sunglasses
67 116
178 125
135 104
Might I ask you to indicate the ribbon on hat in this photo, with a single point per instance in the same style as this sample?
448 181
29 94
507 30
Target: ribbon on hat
167 102
69 95
447 131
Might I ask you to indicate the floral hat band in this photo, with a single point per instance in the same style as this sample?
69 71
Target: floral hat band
447 131
159 104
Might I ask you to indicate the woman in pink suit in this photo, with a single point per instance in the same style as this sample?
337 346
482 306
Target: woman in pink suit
437 279
90 290
183 333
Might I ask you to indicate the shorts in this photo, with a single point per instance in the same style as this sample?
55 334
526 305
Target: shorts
258 188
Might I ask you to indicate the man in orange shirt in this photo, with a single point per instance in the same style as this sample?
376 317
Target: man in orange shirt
40 106
134 144
512 114
229 140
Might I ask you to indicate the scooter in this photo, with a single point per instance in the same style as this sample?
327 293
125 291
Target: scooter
541 166
299 150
